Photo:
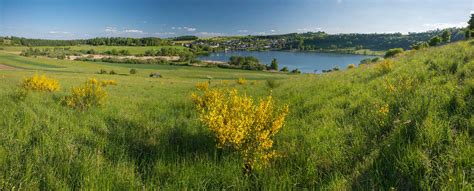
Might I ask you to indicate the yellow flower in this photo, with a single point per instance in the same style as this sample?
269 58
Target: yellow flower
240 124
40 83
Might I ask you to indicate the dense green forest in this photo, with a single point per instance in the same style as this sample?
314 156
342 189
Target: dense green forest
324 41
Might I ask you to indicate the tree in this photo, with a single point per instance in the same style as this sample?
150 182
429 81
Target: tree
435 41
470 28
446 36
274 64
471 22
284 69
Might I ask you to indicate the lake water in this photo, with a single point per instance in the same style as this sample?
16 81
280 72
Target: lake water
307 62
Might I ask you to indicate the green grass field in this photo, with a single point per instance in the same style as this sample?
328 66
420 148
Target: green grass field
405 126
132 49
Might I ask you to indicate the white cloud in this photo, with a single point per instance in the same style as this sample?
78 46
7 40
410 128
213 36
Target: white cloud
110 29
272 30
164 33
444 25
243 31
189 29
133 31
59 32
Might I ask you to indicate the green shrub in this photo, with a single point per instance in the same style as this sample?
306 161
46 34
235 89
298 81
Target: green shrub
112 72
393 52
102 71
272 83
133 71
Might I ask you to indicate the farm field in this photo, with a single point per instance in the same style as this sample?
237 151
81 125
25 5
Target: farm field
404 123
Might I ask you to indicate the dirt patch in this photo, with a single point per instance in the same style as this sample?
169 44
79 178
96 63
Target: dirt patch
6 67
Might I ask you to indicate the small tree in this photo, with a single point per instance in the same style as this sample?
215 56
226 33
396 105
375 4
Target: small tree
274 64
435 41
446 36
284 69
470 27
133 71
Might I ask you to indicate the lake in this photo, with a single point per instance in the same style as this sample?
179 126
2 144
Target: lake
307 62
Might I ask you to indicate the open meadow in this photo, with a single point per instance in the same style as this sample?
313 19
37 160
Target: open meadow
404 123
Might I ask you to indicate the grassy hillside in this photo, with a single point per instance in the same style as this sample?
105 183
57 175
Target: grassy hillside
404 124
132 49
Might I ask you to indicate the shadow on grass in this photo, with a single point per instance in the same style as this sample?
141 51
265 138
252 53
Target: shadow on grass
144 146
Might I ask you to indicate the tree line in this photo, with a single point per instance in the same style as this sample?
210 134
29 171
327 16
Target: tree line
105 41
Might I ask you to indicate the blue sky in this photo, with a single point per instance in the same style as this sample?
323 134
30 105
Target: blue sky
65 19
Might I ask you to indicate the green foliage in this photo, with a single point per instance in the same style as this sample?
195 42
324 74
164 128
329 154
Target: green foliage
180 38
274 64
272 83
296 71
133 71
446 36
246 63
420 45
112 72
435 41
393 52
284 69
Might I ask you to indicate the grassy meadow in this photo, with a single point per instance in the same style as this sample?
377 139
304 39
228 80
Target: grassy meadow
403 124
134 50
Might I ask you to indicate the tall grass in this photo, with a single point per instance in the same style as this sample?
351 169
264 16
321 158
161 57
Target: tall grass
408 127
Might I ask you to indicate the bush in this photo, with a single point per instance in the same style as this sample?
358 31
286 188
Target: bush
393 52
90 95
241 81
351 66
202 86
133 71
240 125
296 71
384 67
102 71
272 83
40 83
112 72
284 69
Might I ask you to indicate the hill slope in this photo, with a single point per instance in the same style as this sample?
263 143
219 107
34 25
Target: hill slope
405 123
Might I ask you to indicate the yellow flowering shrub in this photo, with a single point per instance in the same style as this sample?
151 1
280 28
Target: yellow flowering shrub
385 66
351 66
202 86
89 95
40 83
240 124
241 81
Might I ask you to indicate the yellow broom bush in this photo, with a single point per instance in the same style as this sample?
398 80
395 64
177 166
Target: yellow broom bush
240 124
40 83
202 86
241 81
89 95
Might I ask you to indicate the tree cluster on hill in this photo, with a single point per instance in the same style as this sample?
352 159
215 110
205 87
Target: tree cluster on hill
322 41
105 41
